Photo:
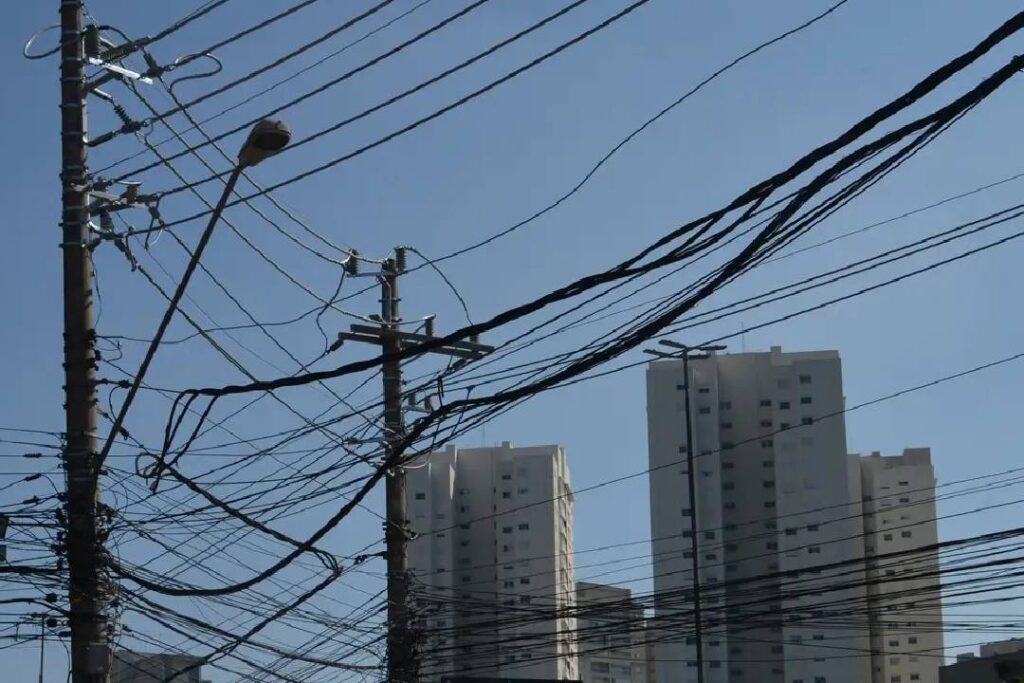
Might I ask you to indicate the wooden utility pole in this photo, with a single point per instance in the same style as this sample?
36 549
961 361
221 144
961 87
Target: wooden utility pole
403 665
90 653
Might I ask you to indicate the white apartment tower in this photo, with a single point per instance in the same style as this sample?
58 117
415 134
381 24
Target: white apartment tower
492 564
905 613
612 637
771 466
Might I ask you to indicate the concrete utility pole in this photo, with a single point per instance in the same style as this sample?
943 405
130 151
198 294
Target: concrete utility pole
401 651
403 665
90 653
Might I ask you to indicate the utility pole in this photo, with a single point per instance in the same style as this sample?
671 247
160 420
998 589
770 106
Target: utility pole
403 665
401 648
90 655
691 482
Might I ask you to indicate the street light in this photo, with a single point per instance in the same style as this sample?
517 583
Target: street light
267 138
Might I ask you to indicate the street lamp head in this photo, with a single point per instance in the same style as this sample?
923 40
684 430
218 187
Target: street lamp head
267 138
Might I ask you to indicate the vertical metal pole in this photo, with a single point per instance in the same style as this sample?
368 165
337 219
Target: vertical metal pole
42 645
90 658
401 655
691 480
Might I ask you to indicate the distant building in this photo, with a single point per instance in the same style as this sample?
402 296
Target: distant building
492 563
898 494
1001 662
777 495
143 667
611 641
1002 647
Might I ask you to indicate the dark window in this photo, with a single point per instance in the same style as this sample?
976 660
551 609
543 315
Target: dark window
709 535
805 379
806 420
769 504
805 400
812 527
766 423
421 496
506 494
791 532
767 463
727 445
784 426
784 405
726 425
703 390
682 449
768 484
704 410
905 534
524 526
728 486
687 512
767 443
727 465
725 405
506 477
506 529
766 403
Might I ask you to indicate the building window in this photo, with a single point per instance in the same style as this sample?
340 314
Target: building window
421 496
805 400
767 463
766 443
783 426
768 484
463 508
904 483
704 410
728 486
525 580
771 545
709 535
812 527
727 445
687 512
506 477
904 500
524 526
703 390
687 533
725 405
805 379
506 548
509 584
463 544
806 420
506 494
506 529
766 403
814 550
727 465
463 526
729 506
784 405
887 537
791 532
710 556
769 504
905 534
523 490
731 547
687 554
726 425
912 640
766 423
682 449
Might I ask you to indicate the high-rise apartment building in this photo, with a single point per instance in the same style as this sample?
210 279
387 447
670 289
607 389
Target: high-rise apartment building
905 614
776 496
612 638
492 563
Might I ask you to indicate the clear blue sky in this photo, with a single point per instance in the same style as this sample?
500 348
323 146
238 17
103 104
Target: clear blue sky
495 161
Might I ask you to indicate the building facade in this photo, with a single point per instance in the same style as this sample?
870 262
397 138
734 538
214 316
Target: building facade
611 637
144 667
776 496
492 563
905 613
